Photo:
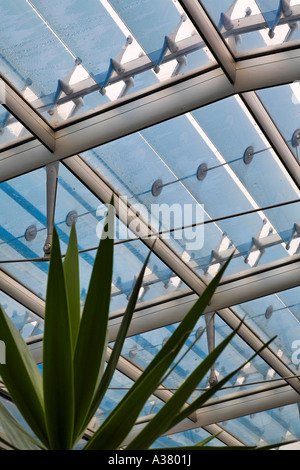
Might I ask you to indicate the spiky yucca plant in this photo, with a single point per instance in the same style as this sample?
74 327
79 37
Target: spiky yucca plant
59 403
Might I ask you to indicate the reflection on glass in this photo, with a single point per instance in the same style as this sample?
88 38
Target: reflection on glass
251 25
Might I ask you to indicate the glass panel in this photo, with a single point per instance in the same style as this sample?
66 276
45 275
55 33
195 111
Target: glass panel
92 47
277 315
186 438
283 104
268 427
251 25
27 322
185 171
16 414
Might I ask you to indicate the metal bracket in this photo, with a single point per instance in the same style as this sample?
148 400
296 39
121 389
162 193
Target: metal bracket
52 179
286 7
261 243
4 122
202 172
117 67
171 45
296 138
157 188
211 343
285 10
64 84
72 217
296 234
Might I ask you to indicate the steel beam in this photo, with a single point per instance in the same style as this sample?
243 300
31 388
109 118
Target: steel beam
211 37
163 101
26 115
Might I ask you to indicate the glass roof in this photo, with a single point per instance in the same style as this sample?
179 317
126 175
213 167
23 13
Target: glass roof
209 175
93 52
249 25
170 155
277 316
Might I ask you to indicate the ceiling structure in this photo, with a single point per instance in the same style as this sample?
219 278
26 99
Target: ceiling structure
179 103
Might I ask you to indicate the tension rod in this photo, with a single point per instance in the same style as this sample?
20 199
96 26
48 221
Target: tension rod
202 171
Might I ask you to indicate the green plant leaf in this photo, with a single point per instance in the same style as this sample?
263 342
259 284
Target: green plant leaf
16 434
57 357
22 377
71 271
160 423
91 341
120 421
204 397
121 336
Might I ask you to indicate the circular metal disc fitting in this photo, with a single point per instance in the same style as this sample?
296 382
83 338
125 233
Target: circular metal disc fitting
202 172
268 312
248 155
296 138
157 188
30 233
71 217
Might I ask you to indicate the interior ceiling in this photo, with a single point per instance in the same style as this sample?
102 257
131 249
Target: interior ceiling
182 103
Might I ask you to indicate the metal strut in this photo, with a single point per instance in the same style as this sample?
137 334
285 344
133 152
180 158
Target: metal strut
52 179
117 67
171 45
